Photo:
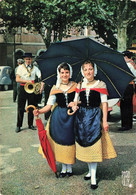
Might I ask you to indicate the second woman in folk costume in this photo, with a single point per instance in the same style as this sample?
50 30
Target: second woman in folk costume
93 143
60 126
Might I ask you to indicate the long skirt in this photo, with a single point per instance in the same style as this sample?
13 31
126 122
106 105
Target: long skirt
60 133
92 143
102 149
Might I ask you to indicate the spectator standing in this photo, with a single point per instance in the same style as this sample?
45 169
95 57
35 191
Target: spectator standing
26 73
126 103
13 78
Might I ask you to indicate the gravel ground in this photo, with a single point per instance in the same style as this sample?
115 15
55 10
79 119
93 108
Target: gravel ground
24 172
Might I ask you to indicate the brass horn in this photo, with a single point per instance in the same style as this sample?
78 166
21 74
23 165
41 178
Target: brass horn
37 88
32 87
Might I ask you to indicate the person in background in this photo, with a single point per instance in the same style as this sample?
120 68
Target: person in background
13 78
126 103
60 126
26 73
38 97
93 143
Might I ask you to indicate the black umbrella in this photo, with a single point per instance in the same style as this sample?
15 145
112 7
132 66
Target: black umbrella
112 68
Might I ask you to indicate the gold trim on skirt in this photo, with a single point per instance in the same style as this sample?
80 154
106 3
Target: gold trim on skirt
63 154
102 149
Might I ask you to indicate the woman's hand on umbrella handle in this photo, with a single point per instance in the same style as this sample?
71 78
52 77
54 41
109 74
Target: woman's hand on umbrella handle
74 108
71 104
105 126
30 106
36 112
70 111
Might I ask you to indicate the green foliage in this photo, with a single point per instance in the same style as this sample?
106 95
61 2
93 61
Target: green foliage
46 16
110 17
53 18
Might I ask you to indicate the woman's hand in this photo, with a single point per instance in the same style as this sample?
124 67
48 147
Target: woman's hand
75 108
71 104
36 112
105 126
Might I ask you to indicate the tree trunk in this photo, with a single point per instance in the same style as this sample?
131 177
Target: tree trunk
122 38
46 37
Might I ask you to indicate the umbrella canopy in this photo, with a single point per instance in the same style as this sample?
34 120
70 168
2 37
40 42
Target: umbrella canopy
46 148
112 68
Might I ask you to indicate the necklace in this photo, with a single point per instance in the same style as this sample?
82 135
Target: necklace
65 83
29 71
91 81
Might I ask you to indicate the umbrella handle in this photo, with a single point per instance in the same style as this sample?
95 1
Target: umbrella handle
70 113
31 106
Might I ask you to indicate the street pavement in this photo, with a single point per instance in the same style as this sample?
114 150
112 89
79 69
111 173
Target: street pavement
24 172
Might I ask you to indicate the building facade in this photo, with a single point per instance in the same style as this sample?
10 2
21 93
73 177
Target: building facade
12 47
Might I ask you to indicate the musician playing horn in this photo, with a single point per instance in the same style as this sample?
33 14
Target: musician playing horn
26 73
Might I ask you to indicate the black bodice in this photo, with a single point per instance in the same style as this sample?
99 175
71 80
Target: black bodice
61 99
94 99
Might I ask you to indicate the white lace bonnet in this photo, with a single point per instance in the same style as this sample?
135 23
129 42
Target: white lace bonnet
58 82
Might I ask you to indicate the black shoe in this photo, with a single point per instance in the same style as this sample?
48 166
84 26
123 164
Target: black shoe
94 187
124 128
18 129
69 174
61 175
32 127
87 178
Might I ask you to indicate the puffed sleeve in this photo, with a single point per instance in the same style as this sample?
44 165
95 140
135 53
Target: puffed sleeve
51 100
103 97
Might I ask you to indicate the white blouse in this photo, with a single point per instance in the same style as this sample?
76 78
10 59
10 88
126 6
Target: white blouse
102 96
24 74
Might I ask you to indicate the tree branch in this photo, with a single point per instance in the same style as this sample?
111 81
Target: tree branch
105 14
124 12
133 19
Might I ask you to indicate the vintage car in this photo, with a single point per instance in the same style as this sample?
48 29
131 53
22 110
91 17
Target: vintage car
5 81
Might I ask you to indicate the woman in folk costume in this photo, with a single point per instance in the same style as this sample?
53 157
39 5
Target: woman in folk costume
93 143
60 126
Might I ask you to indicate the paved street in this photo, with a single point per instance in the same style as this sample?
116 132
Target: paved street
24 172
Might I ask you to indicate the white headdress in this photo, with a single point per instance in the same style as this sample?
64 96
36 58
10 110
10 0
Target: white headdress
58 82
95 73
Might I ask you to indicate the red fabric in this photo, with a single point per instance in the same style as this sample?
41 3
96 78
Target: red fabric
46 145
23 84
100 90
134 103
118 103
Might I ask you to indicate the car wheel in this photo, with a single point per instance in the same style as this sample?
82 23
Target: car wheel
5 87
